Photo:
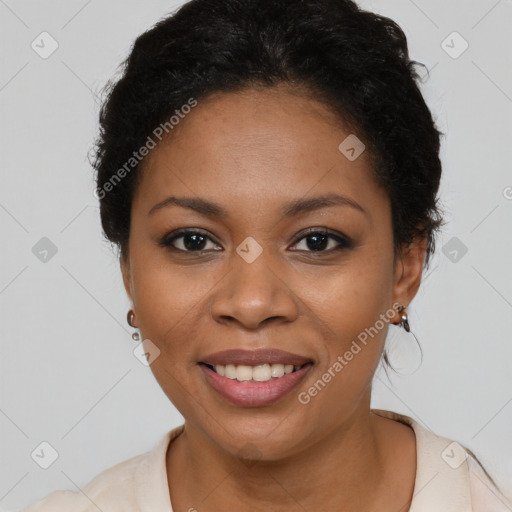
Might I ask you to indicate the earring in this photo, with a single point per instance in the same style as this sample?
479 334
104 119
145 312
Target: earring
405 321
405 324
129 319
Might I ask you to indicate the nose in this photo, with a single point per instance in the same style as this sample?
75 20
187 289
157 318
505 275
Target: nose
253 294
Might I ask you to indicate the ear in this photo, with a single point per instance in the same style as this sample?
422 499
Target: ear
124 263
408 271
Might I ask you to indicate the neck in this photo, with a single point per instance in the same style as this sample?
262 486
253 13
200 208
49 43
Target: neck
344 471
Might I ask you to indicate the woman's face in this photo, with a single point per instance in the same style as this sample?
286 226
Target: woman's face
261 275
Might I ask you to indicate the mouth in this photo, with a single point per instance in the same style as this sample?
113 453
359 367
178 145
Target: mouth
254 378
260 373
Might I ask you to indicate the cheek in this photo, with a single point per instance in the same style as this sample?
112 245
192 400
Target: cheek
353 309
351 296
168 299
170 304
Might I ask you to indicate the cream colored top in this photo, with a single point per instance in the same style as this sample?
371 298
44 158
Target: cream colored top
448 479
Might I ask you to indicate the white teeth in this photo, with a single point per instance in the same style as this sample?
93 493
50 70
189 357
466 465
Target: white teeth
277 370
243 372
230 371
260 373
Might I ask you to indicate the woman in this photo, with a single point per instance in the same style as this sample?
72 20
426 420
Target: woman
269 172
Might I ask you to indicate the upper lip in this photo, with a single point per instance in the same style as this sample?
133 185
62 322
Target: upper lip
255 357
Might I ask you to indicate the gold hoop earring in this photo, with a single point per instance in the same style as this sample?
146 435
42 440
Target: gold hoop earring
129 319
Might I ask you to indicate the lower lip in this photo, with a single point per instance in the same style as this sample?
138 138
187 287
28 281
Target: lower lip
254 394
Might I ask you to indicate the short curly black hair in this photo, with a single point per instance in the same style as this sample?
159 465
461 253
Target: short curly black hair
354 61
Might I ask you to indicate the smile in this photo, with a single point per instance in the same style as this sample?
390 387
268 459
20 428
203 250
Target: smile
254 378
260 373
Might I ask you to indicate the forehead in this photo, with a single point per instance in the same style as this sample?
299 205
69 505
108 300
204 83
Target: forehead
257 149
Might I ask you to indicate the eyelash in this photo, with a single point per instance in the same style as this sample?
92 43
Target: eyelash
344 241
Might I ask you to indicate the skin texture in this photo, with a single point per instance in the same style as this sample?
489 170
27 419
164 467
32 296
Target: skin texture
253 152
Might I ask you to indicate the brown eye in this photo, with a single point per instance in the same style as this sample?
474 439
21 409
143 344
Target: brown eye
187 241
323 241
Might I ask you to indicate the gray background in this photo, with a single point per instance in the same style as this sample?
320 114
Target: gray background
67 372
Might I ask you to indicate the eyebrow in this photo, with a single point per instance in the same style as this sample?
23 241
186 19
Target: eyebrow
292 209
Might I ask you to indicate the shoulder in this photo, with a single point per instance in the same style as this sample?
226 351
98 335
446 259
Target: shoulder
115 483
448 475
138 483
485 495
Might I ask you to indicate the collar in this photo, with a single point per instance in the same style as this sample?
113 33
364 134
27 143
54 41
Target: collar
439 485
442 473
151 485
